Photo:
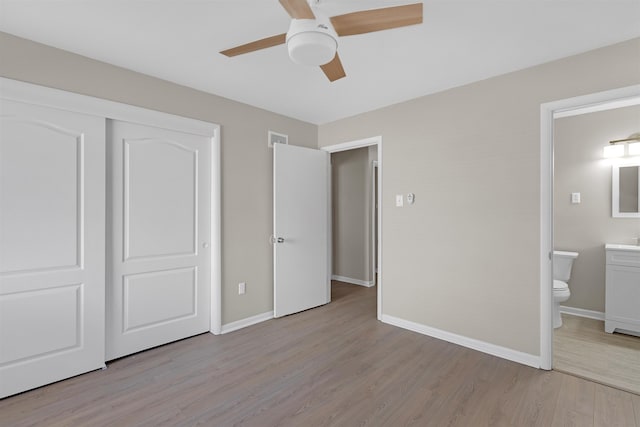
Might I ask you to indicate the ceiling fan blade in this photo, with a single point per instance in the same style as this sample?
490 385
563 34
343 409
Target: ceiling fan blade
298 9
333 69
368 21
256 45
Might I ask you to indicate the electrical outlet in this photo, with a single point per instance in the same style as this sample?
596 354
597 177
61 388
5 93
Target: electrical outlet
242 288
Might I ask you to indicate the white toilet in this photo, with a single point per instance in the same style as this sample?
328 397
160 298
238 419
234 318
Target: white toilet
562 263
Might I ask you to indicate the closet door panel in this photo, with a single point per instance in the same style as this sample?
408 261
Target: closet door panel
159 256
52 239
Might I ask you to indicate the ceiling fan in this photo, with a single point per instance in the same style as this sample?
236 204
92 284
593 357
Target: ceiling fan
312 38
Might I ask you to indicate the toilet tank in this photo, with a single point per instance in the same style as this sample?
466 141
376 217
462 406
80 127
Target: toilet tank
562 263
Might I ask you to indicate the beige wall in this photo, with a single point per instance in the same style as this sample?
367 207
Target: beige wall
351 193
586 227
246 160
464 258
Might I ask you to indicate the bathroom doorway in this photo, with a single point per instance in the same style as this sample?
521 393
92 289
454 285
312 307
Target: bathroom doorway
579 209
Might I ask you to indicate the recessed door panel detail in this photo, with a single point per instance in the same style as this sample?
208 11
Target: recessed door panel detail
159 297
41 175
39 323
160 200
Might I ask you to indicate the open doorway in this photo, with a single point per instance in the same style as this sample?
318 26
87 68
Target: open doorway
353 230
581 221
583 224
356 176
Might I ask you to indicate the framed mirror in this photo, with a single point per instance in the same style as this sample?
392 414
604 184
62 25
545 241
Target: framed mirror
625 190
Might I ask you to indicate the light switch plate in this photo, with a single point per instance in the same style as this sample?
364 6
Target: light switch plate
399 200
575 198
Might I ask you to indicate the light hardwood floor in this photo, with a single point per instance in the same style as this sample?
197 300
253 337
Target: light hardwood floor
334 365
583 348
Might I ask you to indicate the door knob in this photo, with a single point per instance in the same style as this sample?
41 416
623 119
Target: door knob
205 245
273 239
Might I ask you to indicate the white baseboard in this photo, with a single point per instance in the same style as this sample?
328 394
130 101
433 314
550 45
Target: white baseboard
485 347
353 281
243 323
589 314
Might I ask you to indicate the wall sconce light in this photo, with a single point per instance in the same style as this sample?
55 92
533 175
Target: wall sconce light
620 147
611 151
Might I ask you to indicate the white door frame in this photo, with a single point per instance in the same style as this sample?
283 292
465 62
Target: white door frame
374 224
54 98
366 142
549 111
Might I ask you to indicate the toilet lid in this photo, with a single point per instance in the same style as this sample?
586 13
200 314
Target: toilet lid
559 285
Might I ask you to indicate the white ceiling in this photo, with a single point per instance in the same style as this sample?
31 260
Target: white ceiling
459 42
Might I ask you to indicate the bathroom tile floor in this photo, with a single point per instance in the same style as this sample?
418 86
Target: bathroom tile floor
584 349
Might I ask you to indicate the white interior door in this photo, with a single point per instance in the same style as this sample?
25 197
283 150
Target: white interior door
52 238
158 283
301 229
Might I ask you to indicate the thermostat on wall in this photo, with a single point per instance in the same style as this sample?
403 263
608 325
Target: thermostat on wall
277 138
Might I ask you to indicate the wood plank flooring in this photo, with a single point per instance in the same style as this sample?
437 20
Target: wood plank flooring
583 348
331 366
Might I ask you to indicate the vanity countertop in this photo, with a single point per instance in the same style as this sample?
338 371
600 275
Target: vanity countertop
617 247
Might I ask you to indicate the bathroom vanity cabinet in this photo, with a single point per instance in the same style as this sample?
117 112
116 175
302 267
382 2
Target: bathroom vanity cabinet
622 304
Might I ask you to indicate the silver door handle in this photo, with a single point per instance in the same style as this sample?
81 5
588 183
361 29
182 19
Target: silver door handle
275 240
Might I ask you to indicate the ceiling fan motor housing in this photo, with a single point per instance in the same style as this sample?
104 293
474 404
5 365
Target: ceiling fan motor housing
312 41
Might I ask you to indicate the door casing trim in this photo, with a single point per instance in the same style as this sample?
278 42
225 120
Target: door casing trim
548 112
351 145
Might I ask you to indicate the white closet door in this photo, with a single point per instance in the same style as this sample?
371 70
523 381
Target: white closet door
52 239
159 258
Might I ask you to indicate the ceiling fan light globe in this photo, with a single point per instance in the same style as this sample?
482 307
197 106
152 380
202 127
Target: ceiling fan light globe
312 48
